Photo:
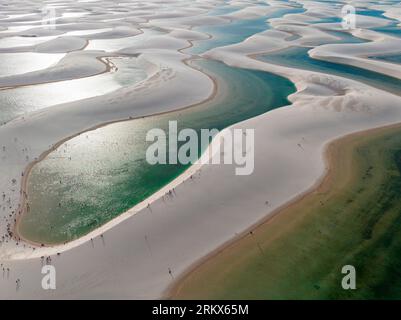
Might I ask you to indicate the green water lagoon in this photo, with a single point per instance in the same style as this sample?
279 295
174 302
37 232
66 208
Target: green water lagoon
98 175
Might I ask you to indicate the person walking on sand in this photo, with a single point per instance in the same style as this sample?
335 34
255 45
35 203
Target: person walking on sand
170 273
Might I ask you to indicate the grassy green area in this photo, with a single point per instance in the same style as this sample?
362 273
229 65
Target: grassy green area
353 217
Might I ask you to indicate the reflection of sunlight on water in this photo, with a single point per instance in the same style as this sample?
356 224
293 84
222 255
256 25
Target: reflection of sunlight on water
24 62
114 153
11 42
129 71
15 102
101 147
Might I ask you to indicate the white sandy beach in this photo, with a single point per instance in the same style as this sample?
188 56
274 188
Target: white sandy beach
131 255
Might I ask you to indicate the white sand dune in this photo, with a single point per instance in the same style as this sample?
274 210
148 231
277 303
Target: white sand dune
116 33
393 11
130 256
73 65
188 34
21 44
157 42
358 55
61 45
256 11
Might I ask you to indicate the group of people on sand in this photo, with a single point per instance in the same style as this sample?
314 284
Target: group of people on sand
6 275
9 216
6 271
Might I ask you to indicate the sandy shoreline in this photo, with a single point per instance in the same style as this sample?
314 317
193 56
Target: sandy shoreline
330 159
132 259
143 204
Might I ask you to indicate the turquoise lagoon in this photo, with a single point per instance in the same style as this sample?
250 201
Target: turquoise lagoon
98 175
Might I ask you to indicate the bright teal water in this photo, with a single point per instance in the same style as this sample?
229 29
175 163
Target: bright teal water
371 13
392 29
236 31
229 33
389 58
298 57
